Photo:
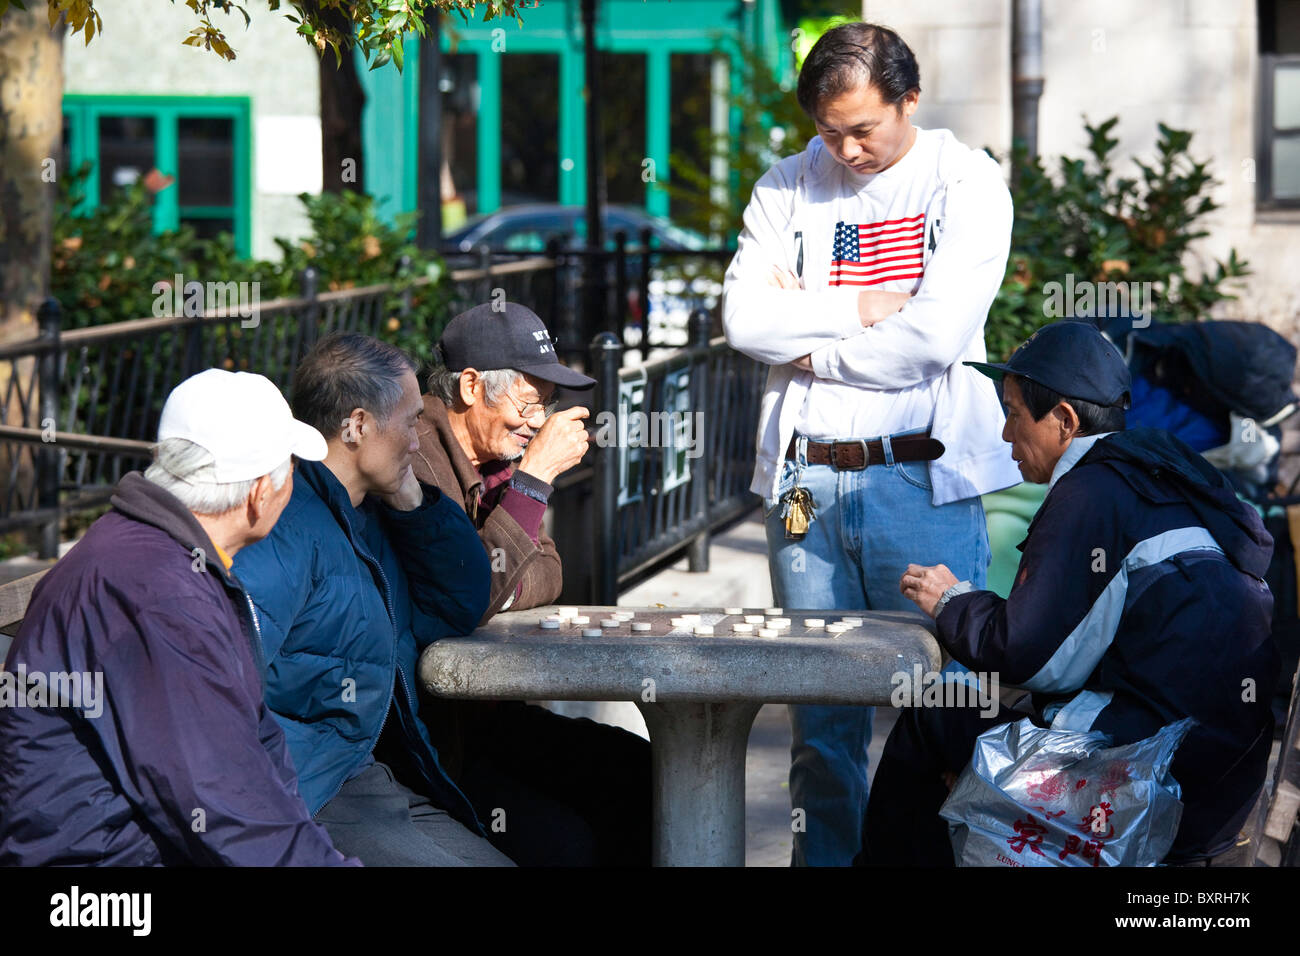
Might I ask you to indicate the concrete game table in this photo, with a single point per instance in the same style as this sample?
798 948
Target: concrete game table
699 694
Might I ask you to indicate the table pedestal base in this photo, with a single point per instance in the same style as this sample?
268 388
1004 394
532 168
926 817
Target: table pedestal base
698 756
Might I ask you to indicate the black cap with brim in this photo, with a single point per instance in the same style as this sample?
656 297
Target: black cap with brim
1072 359
559 374
505 335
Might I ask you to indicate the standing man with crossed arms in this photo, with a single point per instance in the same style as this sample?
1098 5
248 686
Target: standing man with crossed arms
863 276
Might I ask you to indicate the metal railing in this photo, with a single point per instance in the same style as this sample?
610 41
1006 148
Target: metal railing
672 463
674 453
72 396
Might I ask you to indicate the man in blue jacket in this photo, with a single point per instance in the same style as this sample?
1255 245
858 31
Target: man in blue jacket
132 727
366 567
1139 601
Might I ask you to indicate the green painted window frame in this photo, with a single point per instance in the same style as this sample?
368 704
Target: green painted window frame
83 110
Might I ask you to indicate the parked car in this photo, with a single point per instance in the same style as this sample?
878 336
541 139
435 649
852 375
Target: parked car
676 289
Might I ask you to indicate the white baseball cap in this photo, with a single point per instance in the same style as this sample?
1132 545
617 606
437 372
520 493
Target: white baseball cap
242 420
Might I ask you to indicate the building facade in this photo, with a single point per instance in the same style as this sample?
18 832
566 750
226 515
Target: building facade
243 138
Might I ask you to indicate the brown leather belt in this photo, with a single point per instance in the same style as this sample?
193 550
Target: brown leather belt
860 453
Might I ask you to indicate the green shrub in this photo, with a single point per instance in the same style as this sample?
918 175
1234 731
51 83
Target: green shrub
1090 223
105 263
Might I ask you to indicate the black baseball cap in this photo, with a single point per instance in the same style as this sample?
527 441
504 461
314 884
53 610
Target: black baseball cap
509 335
1071 358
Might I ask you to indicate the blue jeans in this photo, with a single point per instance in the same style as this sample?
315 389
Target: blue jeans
869 526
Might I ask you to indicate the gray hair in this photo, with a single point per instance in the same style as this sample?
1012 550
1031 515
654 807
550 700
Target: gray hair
345 371
445 384
188 471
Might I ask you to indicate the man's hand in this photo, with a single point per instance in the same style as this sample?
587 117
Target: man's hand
925 586
783 278
558 445
876 306
408 496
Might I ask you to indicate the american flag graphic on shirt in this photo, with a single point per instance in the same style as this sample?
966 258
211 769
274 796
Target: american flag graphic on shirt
878 252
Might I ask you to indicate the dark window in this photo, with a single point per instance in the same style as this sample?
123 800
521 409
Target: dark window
209 227
206 161
460 106
1278 162
126 151
530 124
691 127
65 152
622 126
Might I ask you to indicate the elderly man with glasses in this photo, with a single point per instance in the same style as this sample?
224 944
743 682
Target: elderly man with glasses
574 791
488 440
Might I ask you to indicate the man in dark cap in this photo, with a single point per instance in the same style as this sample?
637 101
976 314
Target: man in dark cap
1139 601
488 440
574 791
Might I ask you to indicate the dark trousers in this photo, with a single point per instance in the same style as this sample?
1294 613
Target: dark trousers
902 826
383 823
550 790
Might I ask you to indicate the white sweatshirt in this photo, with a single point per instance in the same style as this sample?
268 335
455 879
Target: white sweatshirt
968 223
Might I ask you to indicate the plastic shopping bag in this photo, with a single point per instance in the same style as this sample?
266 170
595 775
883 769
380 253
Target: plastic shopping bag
1040 797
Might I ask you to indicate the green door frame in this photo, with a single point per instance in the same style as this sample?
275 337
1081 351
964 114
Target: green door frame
83 111
623 26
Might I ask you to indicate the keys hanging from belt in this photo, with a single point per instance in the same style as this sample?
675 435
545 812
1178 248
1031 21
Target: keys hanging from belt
798 511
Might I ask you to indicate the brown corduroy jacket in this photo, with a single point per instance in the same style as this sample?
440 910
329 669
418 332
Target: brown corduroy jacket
526 570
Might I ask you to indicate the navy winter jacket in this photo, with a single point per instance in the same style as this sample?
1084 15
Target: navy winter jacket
343 626
1140 600
179 762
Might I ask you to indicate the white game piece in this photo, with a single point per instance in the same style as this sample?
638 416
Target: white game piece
625 615
703 630
591 632
778 611
580 620
549 624
680 622
837 629
778 622
690 617
767 632
742 628
568 612
851 621
754 619
610 622
733 610
813 622
640 625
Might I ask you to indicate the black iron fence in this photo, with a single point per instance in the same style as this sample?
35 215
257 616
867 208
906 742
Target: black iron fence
641 293
672 459
67 391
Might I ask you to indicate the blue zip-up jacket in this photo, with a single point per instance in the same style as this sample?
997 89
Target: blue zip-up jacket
176 760
1139 601
343 627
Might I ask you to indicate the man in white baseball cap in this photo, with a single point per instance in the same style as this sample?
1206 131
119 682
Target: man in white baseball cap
165 752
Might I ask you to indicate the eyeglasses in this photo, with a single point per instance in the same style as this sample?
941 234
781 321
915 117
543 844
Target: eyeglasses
530 409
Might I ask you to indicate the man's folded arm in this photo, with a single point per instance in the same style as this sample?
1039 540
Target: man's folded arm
934 329
767 323
191 736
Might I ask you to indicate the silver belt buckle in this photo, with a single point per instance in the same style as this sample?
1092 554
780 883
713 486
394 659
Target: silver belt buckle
861 442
